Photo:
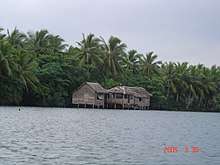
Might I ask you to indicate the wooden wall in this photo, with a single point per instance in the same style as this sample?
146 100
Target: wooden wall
84 95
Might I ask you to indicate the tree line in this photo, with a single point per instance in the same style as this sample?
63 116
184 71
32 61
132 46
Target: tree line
40 69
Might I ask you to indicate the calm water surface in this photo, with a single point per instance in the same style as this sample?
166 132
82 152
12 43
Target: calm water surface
71 136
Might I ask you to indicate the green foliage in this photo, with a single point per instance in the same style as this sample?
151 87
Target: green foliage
149 65
113 55
39 69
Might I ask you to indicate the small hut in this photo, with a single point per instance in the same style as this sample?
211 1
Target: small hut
141 97
128 97
91 95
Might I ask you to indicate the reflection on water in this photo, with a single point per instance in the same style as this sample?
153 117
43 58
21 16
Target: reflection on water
71 136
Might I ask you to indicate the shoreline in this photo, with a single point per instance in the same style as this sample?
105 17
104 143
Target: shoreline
138 110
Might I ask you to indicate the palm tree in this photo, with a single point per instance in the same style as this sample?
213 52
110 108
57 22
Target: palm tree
132 60
179 79
1 35
113 55
26 67
149 64
180 84
90 53
6 53
190 85
210 83
168 73
56 44
38 42
16 38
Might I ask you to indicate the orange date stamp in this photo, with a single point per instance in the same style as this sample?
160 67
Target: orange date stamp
185 149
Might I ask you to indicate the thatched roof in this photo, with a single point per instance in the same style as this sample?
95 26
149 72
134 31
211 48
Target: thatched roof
97 87
136 91
121 89
140 91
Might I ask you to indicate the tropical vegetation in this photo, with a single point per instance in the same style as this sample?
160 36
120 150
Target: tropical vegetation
40 69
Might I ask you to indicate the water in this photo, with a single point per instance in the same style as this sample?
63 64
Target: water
71 136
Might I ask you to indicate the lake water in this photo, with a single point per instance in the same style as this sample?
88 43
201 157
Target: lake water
86 136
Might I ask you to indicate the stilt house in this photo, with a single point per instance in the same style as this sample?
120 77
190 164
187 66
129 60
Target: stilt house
90 94
93 95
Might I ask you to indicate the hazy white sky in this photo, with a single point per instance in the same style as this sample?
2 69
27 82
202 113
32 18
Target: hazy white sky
177 30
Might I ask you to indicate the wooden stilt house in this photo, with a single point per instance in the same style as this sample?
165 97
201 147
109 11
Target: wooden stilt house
93 95
89 94
129 97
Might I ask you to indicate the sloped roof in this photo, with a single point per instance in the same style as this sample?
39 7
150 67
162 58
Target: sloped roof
136 91
97 87
141 91
121 89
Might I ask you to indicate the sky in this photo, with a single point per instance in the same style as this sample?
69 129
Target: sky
176 30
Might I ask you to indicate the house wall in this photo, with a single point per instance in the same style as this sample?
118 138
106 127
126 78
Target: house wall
99 99
128 102
84 95
135 102
145 101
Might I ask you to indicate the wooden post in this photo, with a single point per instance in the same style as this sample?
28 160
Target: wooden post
123 97
133 105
